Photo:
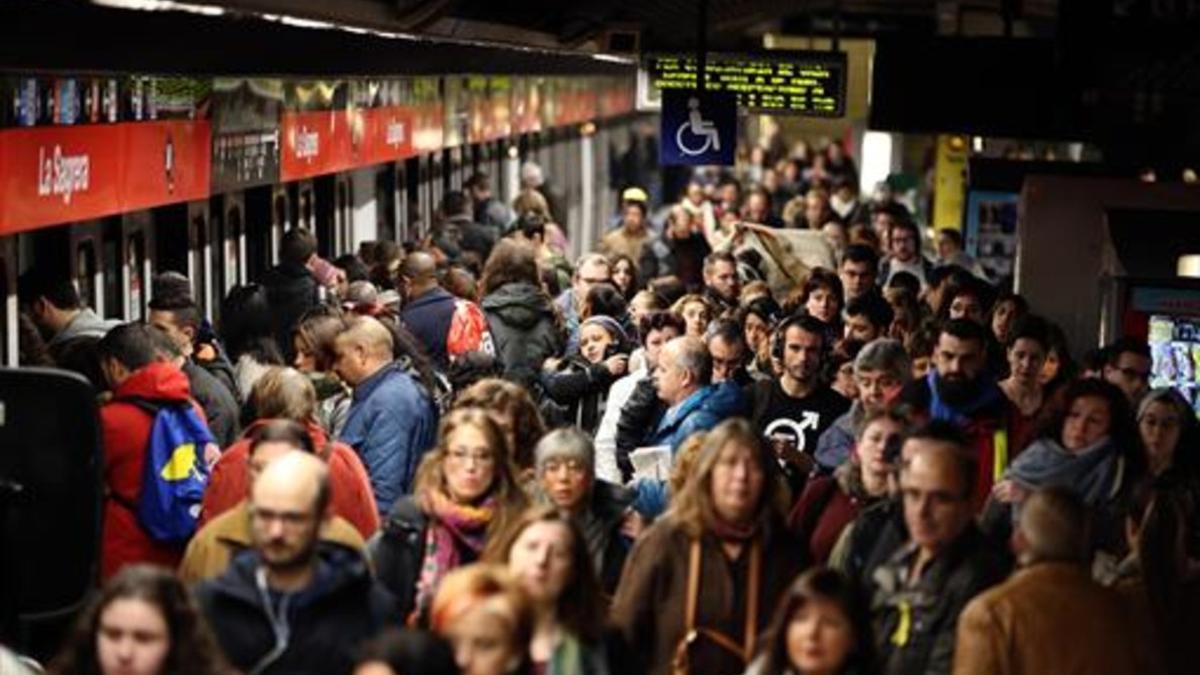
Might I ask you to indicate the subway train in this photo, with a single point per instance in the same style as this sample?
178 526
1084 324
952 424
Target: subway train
112 179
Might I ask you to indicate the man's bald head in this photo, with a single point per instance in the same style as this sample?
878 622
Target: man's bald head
297 481
419 267
1053 528
362 349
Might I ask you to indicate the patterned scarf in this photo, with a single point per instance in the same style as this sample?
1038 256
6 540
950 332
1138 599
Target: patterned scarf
455 536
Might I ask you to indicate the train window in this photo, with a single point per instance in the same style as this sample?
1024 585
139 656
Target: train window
85 273
135 289
386 186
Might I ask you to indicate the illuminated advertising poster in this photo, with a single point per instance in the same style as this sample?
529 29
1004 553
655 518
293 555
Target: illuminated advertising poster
245 116
51 175
430 115
527 105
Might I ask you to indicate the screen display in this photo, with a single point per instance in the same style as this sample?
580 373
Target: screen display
798 83
1175 355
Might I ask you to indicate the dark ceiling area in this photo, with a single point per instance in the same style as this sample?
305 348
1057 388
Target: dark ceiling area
1122 74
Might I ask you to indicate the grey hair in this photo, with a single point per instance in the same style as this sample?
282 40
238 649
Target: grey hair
565 442
693 357
886 355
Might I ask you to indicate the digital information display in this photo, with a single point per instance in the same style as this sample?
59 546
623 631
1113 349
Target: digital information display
791 83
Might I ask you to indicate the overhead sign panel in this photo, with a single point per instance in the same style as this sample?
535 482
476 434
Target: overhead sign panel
804 83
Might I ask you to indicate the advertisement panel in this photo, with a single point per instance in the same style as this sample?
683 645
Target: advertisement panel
52 175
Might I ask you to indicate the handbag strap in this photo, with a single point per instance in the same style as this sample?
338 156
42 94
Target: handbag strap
746 650
752 583
693 586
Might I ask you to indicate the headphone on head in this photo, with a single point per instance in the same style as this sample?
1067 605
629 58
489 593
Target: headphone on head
777 338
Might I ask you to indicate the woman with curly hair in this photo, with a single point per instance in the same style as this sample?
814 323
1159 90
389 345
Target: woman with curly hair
144 623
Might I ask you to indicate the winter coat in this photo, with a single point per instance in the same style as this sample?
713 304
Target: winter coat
580 388
428 318
986 429
649 608
1005 630
703 410
291 291
319 631
220 407
126 429
915 622
637 421
397 552
827 505
349 484
835 444
868 540
209 552
525 329
619 395
211 357
392 422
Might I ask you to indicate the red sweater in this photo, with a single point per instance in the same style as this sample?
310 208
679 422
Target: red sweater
126 430
820 531
350 487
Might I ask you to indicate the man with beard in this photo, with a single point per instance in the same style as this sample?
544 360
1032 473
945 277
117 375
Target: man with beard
960 390
792 411
293 604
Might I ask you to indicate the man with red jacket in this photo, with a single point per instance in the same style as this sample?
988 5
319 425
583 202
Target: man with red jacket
129 358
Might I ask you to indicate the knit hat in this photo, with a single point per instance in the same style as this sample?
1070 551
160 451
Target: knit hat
564 443
609 324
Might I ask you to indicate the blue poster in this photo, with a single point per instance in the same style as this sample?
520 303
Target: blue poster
698 128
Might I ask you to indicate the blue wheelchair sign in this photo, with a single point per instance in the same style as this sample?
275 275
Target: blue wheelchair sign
698 128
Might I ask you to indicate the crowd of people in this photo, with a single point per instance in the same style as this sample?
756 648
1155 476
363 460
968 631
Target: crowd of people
469 455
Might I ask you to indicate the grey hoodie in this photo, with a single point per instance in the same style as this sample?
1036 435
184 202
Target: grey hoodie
86 324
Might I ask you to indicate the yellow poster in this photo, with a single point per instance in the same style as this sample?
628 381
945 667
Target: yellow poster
950 181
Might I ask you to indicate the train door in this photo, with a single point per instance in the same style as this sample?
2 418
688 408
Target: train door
86 251
413 199
171 245
200 262
452 160
136 266
438 183
387 188
10 347
281 216
343 216
257 232
324 196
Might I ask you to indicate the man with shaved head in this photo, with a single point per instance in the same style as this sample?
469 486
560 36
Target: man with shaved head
392 419
447 326
920 589
1053 593
294 603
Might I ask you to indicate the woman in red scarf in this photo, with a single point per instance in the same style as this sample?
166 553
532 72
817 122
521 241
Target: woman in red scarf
724 533
464 492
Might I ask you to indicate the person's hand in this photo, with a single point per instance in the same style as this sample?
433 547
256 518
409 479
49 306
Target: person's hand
787 452
1009 492
617 364
212 453
633 525
550 364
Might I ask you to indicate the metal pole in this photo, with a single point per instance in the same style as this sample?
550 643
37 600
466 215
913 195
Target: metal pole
701 44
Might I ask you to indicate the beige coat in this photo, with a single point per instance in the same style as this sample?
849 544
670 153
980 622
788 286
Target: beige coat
209 552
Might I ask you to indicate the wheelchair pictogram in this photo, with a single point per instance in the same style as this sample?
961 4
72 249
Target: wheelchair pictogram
697 126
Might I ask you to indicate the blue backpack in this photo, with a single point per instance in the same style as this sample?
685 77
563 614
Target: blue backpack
174 473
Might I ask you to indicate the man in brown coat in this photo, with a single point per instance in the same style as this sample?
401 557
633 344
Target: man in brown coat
1049 617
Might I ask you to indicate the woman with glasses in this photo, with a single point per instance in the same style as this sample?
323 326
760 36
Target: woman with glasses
464 492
